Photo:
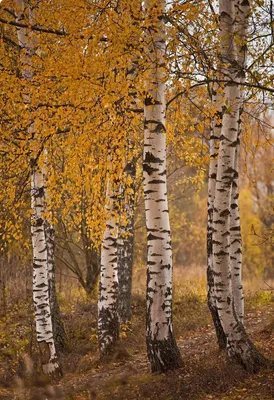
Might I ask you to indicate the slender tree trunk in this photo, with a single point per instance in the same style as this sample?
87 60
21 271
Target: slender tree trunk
125 249
239 346
108 319
59 333
242 11
93 271
43 318
236 242
162 349
126 233
216 126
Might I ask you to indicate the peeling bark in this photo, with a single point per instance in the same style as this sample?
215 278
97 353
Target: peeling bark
162 349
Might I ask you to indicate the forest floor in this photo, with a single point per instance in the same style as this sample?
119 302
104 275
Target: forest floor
206 373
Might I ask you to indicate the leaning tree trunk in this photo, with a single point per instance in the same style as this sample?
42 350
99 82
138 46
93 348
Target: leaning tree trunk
125 248
108 319
216 126
162 349
59 333
43 319
239 347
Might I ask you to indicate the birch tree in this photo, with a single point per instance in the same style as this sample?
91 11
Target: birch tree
240 33
216 126
108 318
162 349
242 12
43 319
41 289
239 346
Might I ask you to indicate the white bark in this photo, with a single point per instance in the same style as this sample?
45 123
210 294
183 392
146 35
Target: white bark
108 320
239 347
216 126
242 11
44 330
161 346
236 242
225 175
42 309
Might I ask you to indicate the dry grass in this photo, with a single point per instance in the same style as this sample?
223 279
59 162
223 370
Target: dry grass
206 374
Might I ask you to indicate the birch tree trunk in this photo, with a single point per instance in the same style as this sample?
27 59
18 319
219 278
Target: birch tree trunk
242 11
162 349
239 346
216 126
108 318
125 250
236 240
43 319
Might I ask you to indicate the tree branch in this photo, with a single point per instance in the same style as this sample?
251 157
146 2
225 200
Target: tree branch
207 81
34 27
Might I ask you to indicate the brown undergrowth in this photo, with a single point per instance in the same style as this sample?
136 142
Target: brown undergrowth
206 373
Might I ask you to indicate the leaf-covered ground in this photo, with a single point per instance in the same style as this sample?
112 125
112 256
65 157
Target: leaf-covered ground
206 373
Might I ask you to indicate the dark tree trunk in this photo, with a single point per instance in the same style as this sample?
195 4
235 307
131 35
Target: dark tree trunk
3 300
125 250
59 333
92 265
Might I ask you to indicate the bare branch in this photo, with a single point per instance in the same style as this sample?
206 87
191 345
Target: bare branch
35 27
